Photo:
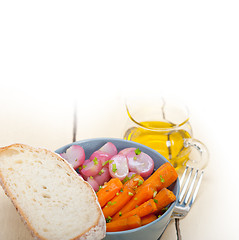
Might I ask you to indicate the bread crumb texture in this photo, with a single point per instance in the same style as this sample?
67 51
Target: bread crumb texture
55 201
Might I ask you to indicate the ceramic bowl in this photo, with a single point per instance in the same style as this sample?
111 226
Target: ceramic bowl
153 230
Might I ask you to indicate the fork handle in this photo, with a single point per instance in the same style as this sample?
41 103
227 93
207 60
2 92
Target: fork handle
203 151
179 237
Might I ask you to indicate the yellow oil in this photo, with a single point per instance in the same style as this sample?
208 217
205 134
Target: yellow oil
162 137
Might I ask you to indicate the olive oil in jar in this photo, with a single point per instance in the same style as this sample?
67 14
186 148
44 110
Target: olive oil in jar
164 138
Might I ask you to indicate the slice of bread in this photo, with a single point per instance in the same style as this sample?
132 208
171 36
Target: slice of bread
52 199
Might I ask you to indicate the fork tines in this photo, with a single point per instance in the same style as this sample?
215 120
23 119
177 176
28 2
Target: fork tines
193 176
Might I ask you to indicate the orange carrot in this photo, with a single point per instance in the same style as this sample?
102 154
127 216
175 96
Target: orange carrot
134 182
142 210
124 224
143 195
163 198
163 177
118 202
108 191
148 219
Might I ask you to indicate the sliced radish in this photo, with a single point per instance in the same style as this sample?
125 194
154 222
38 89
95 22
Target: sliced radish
83 176
93 183
83 166
75 155
140 163
130 174
125 151
63 155
103 176
91 168
103 157
118 166
109 148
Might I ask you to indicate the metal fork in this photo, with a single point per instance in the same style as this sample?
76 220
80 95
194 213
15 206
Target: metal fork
183 205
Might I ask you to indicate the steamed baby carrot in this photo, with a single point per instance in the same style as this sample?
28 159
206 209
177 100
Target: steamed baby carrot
163 198
134 222
163 177
118 201
108 191
144 194
124 224
134 182
148 219
142 210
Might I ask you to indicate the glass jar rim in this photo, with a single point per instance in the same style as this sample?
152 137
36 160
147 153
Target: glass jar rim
173 127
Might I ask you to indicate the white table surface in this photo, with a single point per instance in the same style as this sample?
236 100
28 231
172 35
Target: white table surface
52 127
53 53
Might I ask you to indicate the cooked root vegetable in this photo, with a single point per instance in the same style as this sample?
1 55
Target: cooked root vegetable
83 176
123 224
109 148
103 157
134 182
64 155
148 219
75 155
118 166
143 195
131 174
142 210
108 191
163 177
127 200
140 163
125 151
118 202
164 198
91 168
103 176
93 183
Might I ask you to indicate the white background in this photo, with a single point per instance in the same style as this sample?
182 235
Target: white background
96 52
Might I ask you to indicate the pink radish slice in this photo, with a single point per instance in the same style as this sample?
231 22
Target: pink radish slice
130 174
103 176
109 148
101 156
142 163
83 166
118 166
125 151
75 155
93 183
63 155
83 176
91 168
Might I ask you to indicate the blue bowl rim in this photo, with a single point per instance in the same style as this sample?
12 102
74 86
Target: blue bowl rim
59 150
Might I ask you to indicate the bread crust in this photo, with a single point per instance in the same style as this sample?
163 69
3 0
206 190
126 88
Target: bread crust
98 227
